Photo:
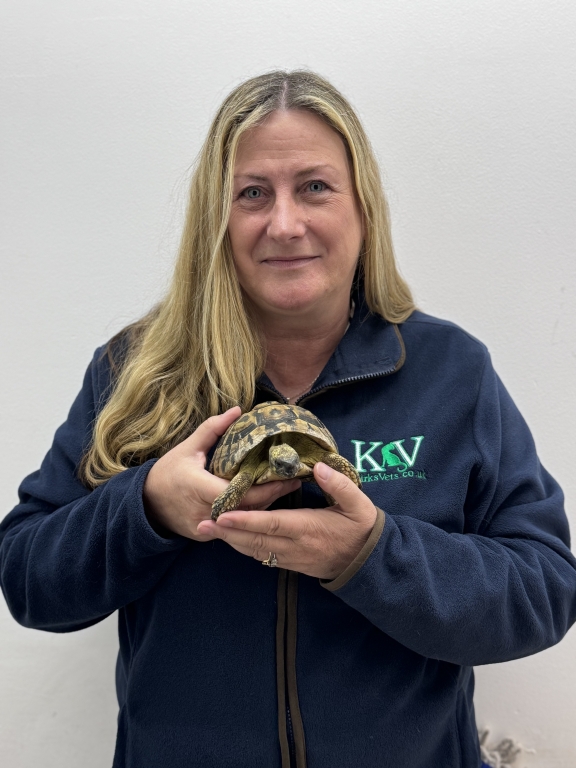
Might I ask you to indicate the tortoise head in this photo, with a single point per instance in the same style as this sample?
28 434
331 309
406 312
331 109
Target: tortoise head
284 460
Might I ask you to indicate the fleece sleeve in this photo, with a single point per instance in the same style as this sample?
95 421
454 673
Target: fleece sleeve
502 589
69 556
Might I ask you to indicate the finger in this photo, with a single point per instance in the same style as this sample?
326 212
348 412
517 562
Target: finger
204 436
351 501
256 545
282 523
261 496
207 486
258 497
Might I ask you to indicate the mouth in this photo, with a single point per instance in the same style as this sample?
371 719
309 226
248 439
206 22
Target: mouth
289 262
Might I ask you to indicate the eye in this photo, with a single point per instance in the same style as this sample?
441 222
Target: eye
252 193
316 186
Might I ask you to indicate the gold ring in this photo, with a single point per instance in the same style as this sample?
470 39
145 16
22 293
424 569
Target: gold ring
272 560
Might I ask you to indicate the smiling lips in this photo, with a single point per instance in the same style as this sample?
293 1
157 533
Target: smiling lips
289 262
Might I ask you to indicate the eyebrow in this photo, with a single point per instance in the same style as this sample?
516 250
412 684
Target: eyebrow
303 172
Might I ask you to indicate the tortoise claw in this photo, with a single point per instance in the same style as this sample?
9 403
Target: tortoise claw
233 495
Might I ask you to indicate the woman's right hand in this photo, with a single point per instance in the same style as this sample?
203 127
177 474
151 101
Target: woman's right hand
179 491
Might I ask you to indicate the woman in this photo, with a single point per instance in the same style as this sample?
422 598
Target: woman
358 648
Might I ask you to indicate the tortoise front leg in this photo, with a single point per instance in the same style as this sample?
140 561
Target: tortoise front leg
233 495
340 464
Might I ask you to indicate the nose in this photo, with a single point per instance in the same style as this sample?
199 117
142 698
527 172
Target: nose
287 467
287 219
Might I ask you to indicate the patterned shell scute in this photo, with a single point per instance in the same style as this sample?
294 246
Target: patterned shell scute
263 421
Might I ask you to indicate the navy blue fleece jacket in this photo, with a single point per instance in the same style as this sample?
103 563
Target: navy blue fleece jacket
227 664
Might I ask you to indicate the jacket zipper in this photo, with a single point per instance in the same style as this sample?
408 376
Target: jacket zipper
396 367
291 742
343 381
284 619
317 391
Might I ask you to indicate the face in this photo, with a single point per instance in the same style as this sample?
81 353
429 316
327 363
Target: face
295 227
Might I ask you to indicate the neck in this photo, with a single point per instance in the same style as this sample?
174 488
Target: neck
298 347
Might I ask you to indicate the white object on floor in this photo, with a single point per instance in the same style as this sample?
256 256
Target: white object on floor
504 754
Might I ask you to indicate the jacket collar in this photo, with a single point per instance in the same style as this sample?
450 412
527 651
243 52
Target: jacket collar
370 347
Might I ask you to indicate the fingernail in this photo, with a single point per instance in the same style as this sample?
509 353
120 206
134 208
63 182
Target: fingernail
204 527
225 521
324 471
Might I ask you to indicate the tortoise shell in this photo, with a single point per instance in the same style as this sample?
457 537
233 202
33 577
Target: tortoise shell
265 420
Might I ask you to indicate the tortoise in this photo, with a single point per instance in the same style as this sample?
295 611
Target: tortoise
273 441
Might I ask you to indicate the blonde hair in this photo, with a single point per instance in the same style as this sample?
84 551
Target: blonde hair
198 353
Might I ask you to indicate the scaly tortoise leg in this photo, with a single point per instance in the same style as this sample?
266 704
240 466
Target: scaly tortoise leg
340 464
233 495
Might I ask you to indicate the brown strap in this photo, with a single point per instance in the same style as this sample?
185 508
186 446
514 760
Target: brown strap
280 668
291 631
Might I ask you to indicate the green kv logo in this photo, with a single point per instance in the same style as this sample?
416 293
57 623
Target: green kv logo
393 456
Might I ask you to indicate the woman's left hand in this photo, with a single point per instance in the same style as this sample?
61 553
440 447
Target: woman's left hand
317 542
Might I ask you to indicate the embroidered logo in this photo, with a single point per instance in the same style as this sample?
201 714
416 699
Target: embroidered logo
390 461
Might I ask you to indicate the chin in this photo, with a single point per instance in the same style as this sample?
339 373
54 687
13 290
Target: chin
293 298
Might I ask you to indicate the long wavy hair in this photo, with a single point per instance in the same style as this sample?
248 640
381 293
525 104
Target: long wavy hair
198 352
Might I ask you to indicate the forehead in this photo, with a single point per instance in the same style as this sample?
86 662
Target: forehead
291 137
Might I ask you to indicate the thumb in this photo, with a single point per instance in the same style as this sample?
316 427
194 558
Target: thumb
352 501
204 436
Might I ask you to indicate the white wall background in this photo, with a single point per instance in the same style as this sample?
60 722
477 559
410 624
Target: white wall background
472 109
